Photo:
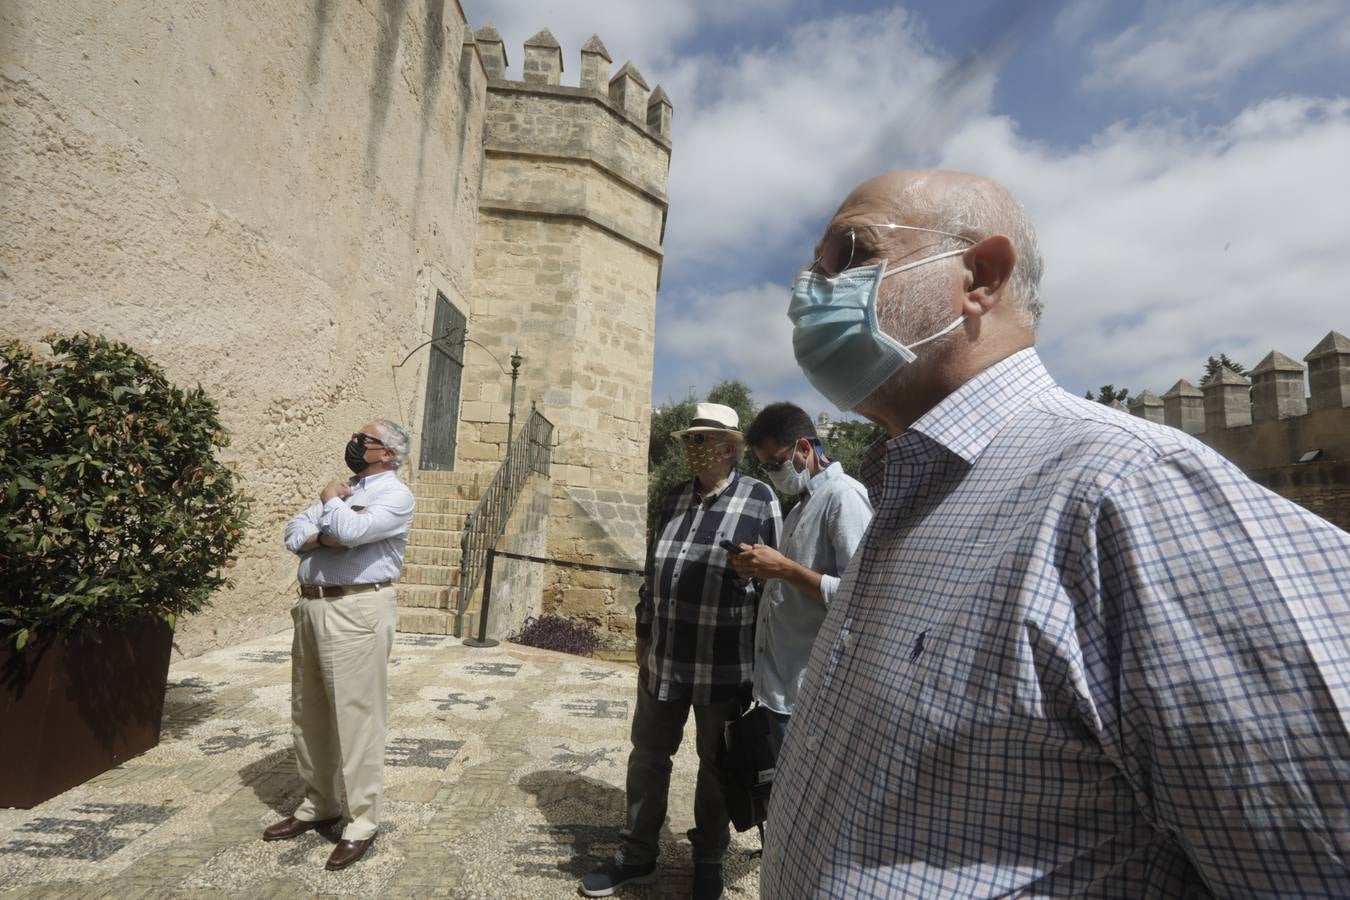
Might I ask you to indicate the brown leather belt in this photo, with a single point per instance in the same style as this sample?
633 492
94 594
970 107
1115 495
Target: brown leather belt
314 591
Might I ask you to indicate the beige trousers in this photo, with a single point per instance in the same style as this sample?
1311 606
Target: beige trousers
339 706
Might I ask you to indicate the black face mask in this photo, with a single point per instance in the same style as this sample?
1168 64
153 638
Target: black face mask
355 457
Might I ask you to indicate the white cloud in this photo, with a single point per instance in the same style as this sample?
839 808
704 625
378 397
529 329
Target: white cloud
645 32
1199 46
1164 241
1076 19
1165 244
777 135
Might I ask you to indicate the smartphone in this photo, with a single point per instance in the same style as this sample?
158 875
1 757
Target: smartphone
730 547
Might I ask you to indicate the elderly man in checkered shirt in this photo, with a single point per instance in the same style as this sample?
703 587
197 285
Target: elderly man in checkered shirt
696 629
1077 653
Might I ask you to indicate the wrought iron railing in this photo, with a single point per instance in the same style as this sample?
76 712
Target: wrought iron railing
529 452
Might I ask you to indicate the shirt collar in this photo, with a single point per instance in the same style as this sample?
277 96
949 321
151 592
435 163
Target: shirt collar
966 420
718 490
827 472
365 480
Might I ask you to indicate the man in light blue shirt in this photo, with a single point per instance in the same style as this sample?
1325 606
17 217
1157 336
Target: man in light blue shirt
820 534
1077 653
350 545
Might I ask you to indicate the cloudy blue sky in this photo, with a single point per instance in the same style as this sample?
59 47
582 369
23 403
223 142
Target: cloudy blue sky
1186 163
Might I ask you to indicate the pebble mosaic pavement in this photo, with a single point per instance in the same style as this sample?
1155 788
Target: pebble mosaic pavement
504 778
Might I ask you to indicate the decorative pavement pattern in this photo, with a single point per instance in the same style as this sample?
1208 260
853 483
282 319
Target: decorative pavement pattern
504 777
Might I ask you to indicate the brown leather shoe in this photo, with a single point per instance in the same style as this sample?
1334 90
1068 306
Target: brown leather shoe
348 852
290 827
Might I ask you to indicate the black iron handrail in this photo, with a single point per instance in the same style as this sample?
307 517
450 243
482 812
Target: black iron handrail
530 451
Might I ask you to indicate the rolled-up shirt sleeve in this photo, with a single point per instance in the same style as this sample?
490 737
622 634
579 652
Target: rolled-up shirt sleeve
302 527
388 515
847 523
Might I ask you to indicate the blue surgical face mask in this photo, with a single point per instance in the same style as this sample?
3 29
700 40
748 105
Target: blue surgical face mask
836 337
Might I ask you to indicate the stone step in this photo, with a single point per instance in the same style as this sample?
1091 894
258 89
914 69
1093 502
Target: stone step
434 537
442 506
437 522
434 576
422 555
421 596
425 621
435 476
434 621
469 493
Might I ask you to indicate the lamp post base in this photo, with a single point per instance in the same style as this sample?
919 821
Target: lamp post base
475 642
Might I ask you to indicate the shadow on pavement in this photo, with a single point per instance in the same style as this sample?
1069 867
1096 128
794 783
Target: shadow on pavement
275 781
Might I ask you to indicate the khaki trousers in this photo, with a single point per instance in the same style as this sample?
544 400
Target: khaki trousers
339 706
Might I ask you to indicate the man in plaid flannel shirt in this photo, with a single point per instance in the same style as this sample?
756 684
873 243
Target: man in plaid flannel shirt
695 648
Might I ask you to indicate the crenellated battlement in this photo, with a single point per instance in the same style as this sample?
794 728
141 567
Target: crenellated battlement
626 93
1274 391
1290 434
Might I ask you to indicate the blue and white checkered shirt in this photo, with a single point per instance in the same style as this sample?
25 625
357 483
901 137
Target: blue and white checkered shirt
1078 653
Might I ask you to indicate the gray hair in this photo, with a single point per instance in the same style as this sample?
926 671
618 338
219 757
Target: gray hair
395 438
979 209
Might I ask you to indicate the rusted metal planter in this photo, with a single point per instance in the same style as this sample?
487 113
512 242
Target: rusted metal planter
69 711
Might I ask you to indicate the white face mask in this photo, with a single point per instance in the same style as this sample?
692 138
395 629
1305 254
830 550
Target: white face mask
790 480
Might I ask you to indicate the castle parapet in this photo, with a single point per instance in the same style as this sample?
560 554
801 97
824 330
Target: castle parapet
1227 400
628 90
493 51
1184 407
1329 372
1147 406
595 61
543 59
659 112
1277 388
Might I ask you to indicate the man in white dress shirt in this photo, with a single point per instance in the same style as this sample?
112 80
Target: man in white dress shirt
350 546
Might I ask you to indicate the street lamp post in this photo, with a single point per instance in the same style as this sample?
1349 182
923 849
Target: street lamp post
516 360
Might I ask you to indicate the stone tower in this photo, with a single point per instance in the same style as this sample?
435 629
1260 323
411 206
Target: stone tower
571 217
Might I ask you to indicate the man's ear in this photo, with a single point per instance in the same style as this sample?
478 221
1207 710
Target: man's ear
989 265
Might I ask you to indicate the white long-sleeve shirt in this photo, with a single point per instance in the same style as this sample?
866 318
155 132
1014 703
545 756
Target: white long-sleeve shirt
372 526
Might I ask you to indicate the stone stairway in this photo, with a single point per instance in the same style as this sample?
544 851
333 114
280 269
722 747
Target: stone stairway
428 592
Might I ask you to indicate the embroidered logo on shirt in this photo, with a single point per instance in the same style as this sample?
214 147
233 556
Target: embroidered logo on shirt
918 647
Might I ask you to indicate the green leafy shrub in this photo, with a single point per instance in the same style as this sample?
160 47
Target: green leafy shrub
113 506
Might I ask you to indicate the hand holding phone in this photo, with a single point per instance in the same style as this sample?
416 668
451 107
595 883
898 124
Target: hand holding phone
731 548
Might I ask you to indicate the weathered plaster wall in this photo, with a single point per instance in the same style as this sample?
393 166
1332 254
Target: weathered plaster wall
262 197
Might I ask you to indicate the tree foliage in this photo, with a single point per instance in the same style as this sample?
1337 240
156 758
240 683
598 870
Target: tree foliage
665 457
1215 363
1108 394
113 506
848 441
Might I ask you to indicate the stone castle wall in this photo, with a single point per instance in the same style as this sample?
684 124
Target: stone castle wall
261 197
1291 435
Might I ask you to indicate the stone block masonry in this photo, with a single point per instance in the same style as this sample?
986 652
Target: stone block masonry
1291 436
571 220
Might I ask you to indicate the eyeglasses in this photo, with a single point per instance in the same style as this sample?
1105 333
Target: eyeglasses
839 249
697 438
776 464
363 439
